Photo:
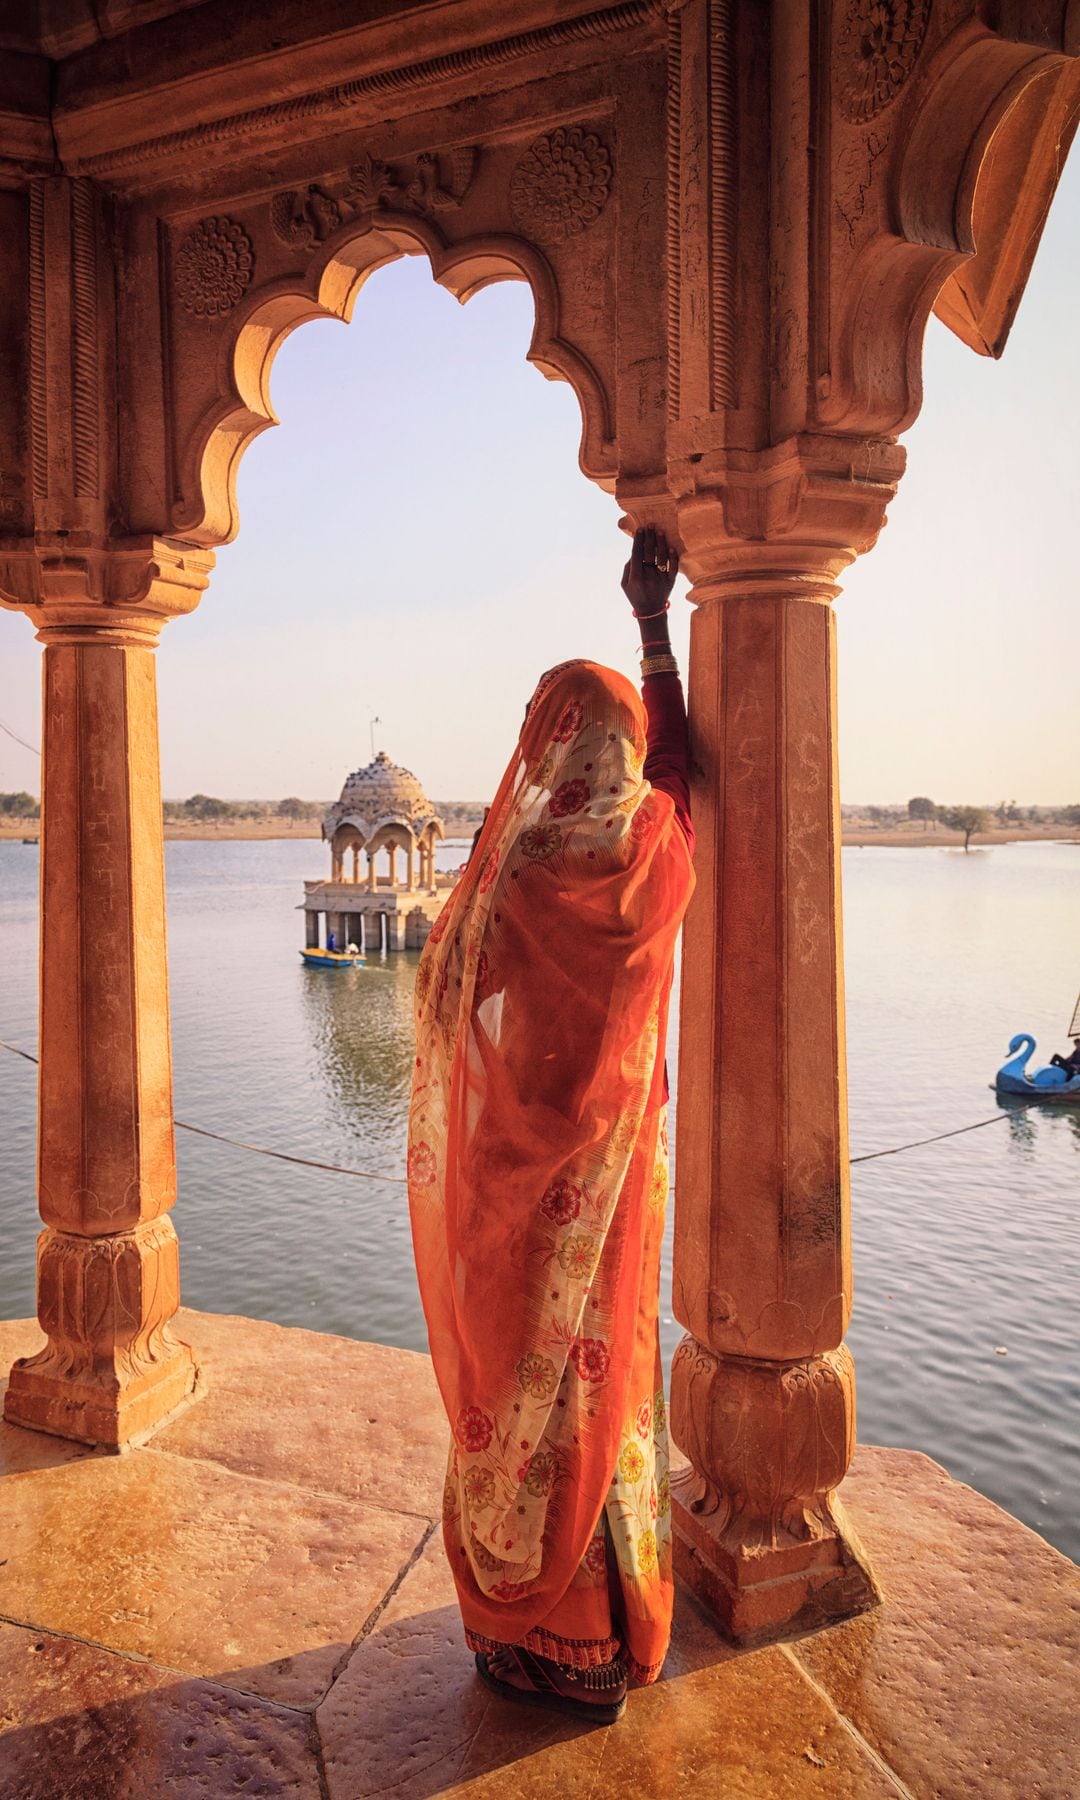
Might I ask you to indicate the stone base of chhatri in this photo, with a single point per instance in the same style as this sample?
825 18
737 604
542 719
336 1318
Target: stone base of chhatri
257 1600
371 918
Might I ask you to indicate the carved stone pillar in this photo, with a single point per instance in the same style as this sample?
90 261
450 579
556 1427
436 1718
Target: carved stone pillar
372 872
108 1274
763 1390
410 865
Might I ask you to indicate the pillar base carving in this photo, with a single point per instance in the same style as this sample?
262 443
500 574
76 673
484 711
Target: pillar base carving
112 1369
760 1536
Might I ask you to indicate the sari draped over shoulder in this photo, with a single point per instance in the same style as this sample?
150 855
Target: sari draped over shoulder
537 1171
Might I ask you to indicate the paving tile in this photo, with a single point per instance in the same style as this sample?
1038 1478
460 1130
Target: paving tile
965 1680
717 1725
359 1420
257 1583
77 1723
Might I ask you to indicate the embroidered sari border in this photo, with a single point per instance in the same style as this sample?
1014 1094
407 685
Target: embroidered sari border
572 1653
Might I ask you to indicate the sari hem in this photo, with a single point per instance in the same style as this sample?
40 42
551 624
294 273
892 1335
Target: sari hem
572 1653
641 1674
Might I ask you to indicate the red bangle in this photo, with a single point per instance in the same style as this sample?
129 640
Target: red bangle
657 644
656 615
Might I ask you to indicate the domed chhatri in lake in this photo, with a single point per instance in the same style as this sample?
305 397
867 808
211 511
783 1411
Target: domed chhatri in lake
382 809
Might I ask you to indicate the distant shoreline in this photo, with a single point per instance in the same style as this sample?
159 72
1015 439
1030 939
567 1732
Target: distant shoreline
860 837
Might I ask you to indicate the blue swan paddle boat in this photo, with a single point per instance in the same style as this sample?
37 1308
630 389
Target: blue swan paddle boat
1047 1083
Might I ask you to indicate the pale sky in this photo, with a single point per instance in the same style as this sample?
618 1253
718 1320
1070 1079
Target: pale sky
418 542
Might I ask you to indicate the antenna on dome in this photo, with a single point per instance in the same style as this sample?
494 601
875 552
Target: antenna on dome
375 721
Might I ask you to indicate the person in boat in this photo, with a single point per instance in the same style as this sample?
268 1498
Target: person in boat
1070 1063
537 1169
331 941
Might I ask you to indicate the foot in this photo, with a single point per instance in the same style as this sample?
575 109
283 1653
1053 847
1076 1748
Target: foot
568 1683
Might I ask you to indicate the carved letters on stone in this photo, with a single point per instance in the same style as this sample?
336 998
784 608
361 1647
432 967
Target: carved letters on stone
561 185
878 43
213 267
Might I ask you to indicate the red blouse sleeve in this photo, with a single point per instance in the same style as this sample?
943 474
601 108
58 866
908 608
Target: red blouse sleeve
667 756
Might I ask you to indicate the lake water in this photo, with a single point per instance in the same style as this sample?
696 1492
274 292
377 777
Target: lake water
961 1248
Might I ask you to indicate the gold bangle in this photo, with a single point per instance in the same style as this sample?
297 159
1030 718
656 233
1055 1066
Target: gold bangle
659 665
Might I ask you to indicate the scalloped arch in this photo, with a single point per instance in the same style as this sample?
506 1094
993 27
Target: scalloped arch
209 463
969 196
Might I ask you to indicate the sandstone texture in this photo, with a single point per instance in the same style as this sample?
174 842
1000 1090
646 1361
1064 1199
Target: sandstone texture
267 1610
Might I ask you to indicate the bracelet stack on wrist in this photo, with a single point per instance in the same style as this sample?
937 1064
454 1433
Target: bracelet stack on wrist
663 664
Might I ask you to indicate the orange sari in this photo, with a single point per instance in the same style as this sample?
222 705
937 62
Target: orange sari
538 1180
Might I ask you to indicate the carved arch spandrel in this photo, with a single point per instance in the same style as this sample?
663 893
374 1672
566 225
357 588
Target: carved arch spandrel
936 201
249 335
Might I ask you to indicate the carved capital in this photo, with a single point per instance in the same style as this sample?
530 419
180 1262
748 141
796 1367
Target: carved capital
77 588
803 509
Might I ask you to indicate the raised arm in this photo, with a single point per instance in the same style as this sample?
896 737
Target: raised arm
647 582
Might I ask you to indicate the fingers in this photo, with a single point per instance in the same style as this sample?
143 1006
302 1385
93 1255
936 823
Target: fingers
651 551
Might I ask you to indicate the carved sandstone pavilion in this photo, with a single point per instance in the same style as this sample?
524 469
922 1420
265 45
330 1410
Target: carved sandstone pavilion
381 809
735 220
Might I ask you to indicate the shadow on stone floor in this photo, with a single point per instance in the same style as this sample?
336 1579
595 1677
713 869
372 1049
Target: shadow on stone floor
25 1452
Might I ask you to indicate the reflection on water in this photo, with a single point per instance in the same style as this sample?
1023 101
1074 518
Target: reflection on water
963 1250
361 1027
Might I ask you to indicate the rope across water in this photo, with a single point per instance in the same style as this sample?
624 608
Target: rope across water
306 1162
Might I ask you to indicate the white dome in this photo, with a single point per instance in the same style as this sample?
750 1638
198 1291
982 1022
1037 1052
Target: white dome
381 794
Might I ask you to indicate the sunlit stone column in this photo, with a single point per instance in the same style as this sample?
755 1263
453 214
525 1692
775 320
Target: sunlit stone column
763 1389
108 1274
410 865
372 871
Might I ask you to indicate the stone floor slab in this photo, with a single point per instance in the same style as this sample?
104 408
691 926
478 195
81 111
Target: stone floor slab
967 1680
717 1725
257 1583
363 1421
78 1723
244 1563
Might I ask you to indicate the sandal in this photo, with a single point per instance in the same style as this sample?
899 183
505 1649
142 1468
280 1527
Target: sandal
547 1695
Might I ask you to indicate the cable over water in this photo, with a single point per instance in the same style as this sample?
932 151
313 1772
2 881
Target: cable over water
306 1162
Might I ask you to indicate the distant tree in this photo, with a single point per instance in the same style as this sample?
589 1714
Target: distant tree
968 819
1070 815
19 806
292 808
876 813
922 807
204 806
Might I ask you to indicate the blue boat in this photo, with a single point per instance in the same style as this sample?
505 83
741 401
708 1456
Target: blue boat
333 959
1047 1083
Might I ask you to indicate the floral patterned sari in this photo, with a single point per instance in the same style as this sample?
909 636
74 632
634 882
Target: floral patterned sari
537 1185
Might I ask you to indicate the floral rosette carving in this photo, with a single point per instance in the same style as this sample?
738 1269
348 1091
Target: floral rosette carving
879 41
213 267
561 185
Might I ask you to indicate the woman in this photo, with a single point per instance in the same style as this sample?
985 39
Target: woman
538 1178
